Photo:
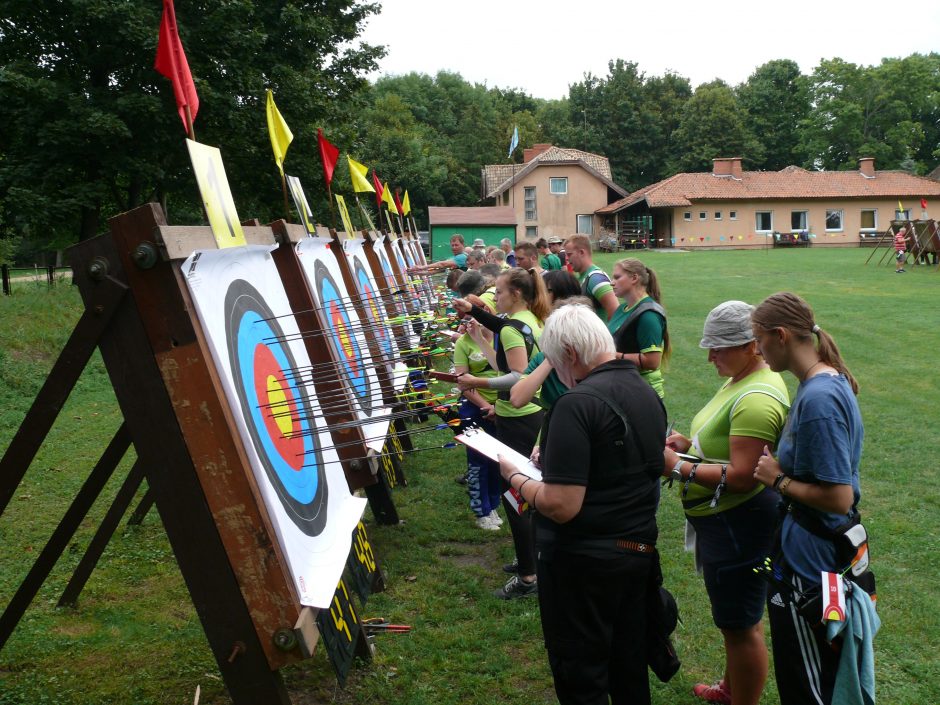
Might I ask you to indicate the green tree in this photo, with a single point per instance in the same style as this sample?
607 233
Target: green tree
90 128
775 99
864 111
712 125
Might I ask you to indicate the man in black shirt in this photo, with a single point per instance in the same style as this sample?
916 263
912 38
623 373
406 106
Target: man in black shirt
596 531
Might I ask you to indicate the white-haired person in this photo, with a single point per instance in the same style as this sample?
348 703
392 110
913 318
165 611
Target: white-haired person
733 516
601 460
506 246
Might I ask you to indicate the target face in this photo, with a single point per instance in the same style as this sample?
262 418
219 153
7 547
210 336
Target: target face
342 337
275 407
390 280
369 295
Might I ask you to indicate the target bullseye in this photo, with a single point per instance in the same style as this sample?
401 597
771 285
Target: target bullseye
344 342
275 407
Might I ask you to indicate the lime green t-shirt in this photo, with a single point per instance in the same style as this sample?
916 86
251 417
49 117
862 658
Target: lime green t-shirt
649 331
467 354
489 298
755 407
510 338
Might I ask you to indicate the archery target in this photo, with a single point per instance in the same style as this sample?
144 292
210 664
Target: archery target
275 407
342 335
264 373
369 297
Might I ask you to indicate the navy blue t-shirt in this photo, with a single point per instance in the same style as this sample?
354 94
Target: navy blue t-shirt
821 441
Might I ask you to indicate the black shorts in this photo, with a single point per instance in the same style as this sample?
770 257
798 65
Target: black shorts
899 255
730 544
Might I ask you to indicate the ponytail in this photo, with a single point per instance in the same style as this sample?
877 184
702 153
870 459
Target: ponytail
531 288
647 278
786 310
829 354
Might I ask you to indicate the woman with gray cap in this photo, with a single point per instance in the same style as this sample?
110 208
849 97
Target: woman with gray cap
732 515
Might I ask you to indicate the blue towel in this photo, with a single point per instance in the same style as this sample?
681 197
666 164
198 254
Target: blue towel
855 680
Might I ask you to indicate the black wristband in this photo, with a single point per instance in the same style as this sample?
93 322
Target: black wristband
778 479
721 487
689 480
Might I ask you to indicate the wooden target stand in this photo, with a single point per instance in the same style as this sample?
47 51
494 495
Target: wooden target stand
139 314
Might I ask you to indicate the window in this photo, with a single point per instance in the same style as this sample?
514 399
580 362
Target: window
869 220
558 185
799 220
702 215
687 215
904 214
586 224
833 220
531 212
532 232
733 215
764 221
717 215
506 198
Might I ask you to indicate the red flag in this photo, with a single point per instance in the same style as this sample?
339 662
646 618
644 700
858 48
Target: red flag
171 62
401 211
378 189
923 203
328 155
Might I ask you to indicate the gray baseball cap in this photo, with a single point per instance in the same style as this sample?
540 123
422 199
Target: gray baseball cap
727 325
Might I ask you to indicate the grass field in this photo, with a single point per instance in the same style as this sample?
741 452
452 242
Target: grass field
135 639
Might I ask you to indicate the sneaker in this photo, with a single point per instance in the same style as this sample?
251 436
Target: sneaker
486 523
496 518
716 693
461 479
513 567
517 587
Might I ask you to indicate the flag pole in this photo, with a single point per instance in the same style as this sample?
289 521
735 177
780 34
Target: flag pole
284 190
189 123
329 195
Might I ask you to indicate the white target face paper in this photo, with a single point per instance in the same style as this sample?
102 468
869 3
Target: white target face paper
370 292
347 334
265 373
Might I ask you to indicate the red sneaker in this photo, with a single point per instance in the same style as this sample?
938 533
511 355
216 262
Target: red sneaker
717 693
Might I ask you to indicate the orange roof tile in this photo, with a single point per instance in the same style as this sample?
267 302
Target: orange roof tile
498 177
789 183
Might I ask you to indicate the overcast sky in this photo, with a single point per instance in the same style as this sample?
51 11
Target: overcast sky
544 46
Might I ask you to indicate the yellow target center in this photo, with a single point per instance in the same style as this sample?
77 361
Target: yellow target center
279 408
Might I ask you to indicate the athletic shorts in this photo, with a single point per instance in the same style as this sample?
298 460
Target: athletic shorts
899 255
730 544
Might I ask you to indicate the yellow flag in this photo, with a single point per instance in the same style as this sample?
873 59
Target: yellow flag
406 204
387 198
900 207
357 172
279 132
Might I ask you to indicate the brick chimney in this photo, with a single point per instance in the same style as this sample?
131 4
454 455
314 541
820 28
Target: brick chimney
535 150
866 167
727 166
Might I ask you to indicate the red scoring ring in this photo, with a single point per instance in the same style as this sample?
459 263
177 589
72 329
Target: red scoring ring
279 408
344 340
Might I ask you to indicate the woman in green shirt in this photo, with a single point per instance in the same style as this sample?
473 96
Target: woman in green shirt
639 324
733 515
522 299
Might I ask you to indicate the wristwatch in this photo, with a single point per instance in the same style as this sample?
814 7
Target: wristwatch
676 474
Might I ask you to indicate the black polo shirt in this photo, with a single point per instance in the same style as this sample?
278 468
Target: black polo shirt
580 447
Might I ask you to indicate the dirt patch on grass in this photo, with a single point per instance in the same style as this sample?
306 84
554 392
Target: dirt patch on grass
479 555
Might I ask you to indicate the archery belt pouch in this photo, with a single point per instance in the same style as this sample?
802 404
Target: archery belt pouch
851 542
